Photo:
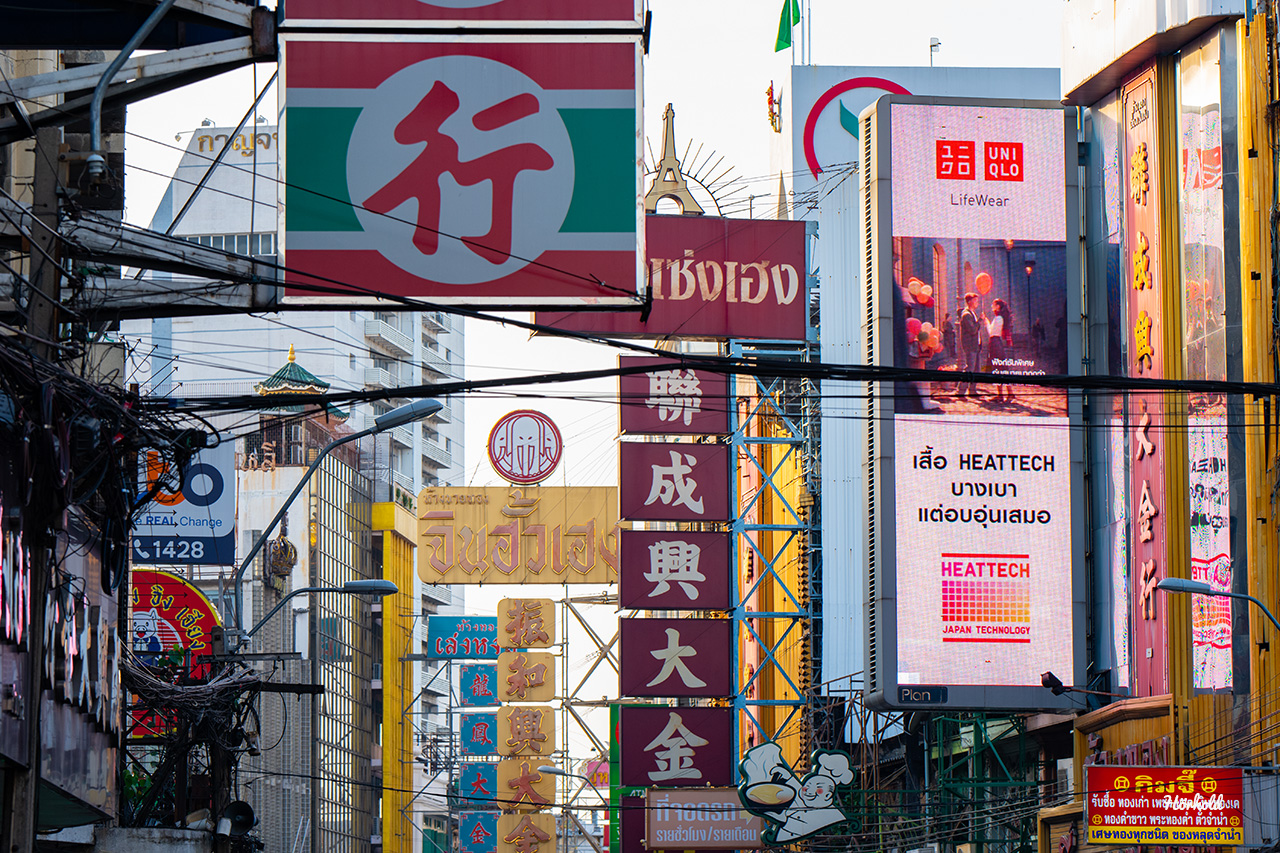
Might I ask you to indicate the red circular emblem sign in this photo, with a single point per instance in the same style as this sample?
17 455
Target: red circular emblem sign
525 447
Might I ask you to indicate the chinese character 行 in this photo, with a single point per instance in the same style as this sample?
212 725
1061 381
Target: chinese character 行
420 180
674 561
674 752
672 485
676 395
1148 589
672 662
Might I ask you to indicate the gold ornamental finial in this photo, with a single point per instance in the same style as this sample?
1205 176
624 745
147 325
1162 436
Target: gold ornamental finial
670 182
292 357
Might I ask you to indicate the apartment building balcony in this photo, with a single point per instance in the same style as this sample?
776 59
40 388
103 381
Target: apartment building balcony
437 454
382 332
435 362
378 377
404 481
437 592
436 320
402 435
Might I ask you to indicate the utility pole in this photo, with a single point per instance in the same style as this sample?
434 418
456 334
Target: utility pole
45 274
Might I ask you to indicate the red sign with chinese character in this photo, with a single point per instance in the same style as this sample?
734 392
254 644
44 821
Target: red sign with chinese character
713 278
674 570
677 747
672 399
1143 274
505 210
673 482
676 657
1171 806
573 13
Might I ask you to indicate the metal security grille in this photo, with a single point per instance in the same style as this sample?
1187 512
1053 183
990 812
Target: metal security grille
869 283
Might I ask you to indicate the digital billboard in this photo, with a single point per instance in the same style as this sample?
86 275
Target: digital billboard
975 591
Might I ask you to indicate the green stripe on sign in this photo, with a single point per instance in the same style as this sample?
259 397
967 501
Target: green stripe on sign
316 197
604 186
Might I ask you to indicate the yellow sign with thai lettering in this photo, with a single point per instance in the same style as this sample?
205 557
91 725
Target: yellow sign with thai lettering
535 534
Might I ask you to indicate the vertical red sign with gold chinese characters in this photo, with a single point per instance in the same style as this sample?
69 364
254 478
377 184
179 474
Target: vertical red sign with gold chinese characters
1147 553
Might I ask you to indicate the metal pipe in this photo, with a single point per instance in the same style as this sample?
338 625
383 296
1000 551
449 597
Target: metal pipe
96 164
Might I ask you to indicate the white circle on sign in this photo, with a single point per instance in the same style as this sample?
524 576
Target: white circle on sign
500 146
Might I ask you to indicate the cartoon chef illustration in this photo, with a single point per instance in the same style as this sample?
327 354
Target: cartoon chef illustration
793 808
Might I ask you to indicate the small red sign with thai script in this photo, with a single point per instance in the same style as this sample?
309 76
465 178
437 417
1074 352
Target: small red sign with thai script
1173 806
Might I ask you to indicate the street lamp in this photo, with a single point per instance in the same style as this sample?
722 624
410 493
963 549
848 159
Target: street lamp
1202 588
375 586
409 412
1053 684
1029 267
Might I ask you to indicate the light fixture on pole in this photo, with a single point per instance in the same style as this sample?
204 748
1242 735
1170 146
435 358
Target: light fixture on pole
372 586
934 44
1053 684
1029 266
409 412
1180 585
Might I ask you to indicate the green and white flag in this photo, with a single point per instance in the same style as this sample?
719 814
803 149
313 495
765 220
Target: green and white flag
790 18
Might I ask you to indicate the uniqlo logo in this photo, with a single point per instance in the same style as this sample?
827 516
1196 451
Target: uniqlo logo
1003 160
954 160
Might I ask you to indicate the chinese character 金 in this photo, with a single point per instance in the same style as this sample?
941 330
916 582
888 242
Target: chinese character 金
479 834
672 662
1143 351
526 837
524 677
673 752
522 787
525 734
1139 177
672 485
674 561
498 169
1148 589
1142 264
1147 510
526 627
676 395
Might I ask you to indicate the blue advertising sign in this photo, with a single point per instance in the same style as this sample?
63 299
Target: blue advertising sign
477 784
195 525
479 685
454 637
478 734
478 833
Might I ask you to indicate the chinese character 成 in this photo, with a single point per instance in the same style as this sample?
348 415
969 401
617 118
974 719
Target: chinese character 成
673 663
672 484
673 751
675 394
1141 264
674 561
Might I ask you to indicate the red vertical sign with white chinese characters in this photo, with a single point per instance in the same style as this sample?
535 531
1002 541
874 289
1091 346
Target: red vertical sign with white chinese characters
675 570
672 399
686 658
673 482
1146 359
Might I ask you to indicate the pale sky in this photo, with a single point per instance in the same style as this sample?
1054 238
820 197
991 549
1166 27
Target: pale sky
712 59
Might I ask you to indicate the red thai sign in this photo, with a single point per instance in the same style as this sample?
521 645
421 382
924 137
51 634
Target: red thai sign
674 570
507 210
369 13
713 278
672 399
673 482
169 614
525 447
677 747
1172 806
676 657
1142 254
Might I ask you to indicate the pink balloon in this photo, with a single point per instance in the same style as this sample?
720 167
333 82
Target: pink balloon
913 326
983 283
